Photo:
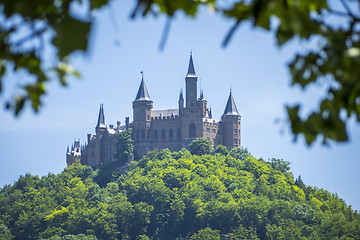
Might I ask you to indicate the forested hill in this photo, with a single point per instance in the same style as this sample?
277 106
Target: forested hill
175 196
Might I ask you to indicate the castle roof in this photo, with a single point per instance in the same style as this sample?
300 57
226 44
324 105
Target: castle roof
165 113
230 108
142 93
101 118
191 69
181 97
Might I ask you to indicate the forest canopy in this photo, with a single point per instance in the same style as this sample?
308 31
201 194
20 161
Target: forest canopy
175 195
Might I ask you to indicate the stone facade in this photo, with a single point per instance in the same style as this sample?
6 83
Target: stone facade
171 128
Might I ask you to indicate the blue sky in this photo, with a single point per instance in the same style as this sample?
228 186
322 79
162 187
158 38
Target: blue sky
251 65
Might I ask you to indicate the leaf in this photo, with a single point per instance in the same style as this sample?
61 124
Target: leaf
94 4
71 35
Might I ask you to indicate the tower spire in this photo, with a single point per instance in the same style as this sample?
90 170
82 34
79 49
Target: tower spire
181 97
142 93
101 118
230 108
191 69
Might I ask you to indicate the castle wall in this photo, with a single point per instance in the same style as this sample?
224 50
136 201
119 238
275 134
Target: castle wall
171 128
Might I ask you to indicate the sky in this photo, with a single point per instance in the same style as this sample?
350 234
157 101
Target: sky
251 65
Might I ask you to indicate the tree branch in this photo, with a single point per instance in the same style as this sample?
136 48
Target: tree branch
32 35
348 10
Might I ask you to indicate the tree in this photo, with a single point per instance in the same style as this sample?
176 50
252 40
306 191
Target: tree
240 153
221 149
5 233
200 147
335 60
124 146
206 233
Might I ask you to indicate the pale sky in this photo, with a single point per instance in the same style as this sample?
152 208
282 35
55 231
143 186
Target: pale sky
251 65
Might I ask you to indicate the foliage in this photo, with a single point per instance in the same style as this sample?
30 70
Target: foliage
221 149
240 153
190 197
29 27
5 233
334 60
124 146
200 147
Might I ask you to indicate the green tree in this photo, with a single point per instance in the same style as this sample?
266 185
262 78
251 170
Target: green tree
206 233
5 233
335 59
240 153
200 147
221 149
124 146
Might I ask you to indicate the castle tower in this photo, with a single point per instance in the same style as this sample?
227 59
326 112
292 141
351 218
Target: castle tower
191 116
142 112
101 136
191 86
181 100
100 128
231 124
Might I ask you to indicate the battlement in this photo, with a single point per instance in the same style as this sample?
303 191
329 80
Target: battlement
169 128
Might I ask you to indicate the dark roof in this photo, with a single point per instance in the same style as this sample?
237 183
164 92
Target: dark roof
181 97
101 118
165 113
191 69
142 93
230 108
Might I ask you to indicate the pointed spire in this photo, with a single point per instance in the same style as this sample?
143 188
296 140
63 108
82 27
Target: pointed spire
142 93
230 108
191 69
210 113
181 97
101 118
67 149
201 94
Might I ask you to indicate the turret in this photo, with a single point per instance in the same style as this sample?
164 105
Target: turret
181 100
231 124
100 126
191 85
142 107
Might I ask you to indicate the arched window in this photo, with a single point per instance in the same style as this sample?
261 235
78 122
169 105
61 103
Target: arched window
163 135
156 138
171 135
192 130
178 134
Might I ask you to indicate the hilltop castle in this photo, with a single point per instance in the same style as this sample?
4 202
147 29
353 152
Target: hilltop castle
171 128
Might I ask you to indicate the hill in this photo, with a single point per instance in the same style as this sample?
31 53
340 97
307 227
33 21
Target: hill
175 195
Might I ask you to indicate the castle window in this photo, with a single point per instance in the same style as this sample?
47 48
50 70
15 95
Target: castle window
192 130
148 117
235 131
178 134
163 135
208 130
213 131
235 141
171 135
156 138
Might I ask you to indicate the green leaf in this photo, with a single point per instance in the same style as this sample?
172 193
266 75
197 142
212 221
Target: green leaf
71 35
94 4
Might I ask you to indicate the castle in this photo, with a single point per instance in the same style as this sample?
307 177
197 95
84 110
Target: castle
171 128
